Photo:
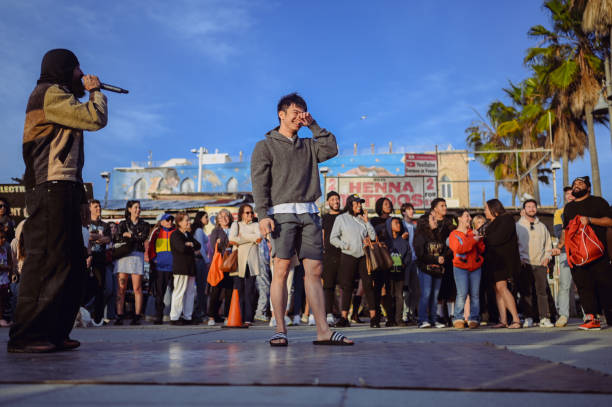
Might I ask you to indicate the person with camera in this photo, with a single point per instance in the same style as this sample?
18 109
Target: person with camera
349 233
53 276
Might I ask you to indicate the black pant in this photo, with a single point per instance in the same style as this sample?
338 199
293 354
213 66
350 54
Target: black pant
350 267
218 293
594 282
98 267
53 275
247 292
331 266
395 289
534 277
162 280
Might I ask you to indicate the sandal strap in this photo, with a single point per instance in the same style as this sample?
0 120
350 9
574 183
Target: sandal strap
337 337
278 335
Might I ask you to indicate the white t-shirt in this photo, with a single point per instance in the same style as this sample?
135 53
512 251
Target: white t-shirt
294 207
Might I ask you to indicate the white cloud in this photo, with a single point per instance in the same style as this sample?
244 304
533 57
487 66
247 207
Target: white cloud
212 26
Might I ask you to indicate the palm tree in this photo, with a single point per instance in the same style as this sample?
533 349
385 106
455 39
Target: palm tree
572 71
597 19
484 134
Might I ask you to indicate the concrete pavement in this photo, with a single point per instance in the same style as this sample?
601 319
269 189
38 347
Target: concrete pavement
207 365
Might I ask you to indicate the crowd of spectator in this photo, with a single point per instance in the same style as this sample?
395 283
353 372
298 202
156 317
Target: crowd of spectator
449 268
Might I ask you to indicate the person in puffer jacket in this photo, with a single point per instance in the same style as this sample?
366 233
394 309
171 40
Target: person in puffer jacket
467 247
399 248
160 259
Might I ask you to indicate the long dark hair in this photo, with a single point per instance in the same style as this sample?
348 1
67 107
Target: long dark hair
128 205
495 207
241 210
379 204
424 228
197 221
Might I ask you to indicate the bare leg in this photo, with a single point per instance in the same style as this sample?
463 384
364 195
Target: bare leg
501 307
509 303
315 297
278 292
122 279
137 286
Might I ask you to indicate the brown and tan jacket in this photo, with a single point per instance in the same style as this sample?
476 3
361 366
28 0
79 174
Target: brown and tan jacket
53 133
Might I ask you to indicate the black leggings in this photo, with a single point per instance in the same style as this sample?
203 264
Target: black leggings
372 284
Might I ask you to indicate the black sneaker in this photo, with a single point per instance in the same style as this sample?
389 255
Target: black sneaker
119 320
178 322
375 322
342 323
158 321
135 320
390 324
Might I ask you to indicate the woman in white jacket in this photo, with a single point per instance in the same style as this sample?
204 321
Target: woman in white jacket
350 230
245 235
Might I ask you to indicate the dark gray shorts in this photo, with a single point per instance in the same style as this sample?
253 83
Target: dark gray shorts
299 234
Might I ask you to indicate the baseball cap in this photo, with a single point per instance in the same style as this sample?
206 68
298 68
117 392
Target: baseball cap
332 193
585 179
167 216
354 198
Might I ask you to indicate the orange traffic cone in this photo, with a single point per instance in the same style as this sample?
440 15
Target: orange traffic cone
234 320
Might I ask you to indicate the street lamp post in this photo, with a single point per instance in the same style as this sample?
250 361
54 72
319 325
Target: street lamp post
200 152
106 176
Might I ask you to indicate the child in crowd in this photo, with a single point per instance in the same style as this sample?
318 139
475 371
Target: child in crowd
400 251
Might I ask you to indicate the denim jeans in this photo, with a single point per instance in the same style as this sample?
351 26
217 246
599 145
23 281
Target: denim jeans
565 285
430 287
263 287
467 282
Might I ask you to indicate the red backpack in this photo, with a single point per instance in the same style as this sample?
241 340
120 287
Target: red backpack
581 243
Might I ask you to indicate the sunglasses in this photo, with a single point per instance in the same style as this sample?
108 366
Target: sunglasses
248 213
2 206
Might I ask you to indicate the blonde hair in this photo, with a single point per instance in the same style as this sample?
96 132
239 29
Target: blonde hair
478 218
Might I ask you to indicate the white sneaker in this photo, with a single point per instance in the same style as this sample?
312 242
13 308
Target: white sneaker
528 323
331 321
545 323
425 325
272 322
561 322
211 322
439 325
311 320
296 320
287 321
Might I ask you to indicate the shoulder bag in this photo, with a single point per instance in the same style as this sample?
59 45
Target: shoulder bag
377 256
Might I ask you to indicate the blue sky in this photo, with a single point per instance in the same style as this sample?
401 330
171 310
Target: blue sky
210 73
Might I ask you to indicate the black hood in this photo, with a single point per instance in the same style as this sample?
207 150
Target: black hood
57 67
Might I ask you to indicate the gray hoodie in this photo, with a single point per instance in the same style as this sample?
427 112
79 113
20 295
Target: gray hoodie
348 234
286 170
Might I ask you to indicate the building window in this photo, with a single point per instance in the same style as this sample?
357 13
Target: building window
140 189
232 185
187 186
446 188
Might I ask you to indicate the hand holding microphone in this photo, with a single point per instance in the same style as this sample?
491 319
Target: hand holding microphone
92 82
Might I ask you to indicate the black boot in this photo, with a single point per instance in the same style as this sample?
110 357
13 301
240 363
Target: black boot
135 320
119 320
375 321
355 314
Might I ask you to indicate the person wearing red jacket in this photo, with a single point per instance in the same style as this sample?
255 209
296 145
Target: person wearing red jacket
467 247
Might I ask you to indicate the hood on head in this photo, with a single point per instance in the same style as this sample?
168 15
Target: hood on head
57 67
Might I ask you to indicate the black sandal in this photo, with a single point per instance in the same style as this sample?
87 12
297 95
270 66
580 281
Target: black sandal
281 337
336 339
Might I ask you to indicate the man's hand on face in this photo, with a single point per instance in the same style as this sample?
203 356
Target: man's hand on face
305 119
266 226
91 82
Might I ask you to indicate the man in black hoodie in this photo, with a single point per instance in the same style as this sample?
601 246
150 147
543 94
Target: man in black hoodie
285 179
52 280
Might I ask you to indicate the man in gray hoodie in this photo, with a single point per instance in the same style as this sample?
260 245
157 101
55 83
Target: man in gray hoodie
285 179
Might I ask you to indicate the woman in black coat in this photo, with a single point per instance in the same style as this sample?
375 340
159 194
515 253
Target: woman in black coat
184 247
502 259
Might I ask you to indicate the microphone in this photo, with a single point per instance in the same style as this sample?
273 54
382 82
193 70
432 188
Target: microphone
112 88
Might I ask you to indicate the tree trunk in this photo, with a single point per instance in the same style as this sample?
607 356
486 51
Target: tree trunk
536 185
595 181
609 91
514 193
496 190
565 168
